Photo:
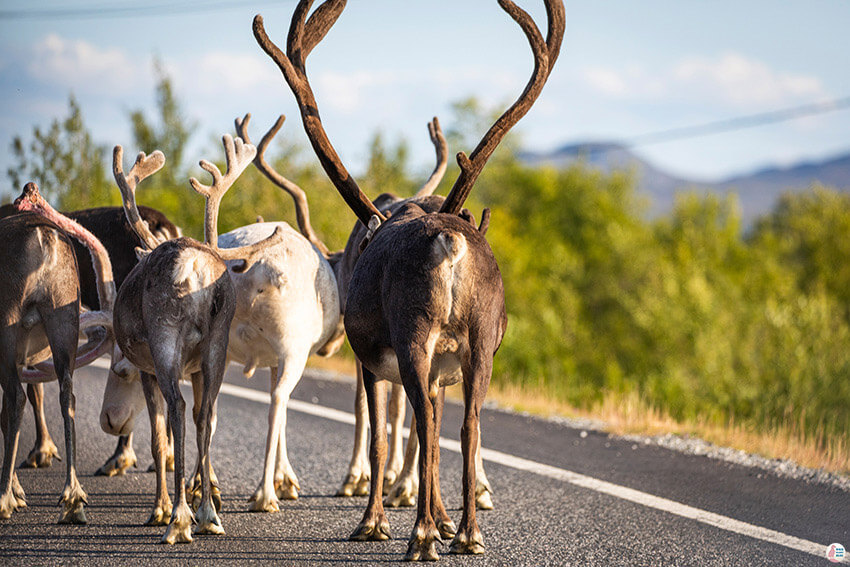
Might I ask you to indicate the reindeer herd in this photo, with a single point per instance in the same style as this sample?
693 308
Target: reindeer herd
416 290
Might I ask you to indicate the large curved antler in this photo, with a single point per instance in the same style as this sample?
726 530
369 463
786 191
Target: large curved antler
238 155
303 36
441 148
545 54
302 210
144 166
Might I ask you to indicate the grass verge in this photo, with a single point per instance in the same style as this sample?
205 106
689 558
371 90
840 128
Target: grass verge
621 415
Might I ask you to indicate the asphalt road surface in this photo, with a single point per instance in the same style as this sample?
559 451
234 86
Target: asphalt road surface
562 496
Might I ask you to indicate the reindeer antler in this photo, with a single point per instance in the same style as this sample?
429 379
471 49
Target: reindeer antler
238 155
441 148
303 36
545 54
144 166
302 211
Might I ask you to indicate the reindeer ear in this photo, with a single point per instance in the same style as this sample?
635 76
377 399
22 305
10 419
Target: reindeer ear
239 266
141 253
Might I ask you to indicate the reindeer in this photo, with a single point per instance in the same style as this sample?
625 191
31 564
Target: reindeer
357 478
425 304
40 314
108 225
401 480
287 308
123 398
171 320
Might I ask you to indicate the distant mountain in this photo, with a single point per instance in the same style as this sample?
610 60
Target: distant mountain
757 191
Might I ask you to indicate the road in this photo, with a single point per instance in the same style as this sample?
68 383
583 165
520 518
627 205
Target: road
563 496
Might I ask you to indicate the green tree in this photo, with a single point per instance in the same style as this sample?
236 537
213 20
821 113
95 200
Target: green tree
65 162
170 135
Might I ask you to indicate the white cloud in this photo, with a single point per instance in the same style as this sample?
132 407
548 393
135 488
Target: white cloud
81 66
745 82
731 78
222 72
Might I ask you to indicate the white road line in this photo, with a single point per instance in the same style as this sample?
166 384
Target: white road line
584 481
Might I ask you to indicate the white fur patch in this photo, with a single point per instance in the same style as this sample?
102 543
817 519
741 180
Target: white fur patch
193 271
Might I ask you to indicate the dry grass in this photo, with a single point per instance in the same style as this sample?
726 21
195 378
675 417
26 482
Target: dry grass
629 415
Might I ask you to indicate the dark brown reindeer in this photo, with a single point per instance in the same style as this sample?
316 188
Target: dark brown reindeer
425 304
172 318
39 317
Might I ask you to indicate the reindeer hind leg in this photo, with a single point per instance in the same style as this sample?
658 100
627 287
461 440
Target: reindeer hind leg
60 326
14 401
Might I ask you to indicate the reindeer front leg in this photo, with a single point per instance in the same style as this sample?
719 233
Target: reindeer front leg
403 492
356 482
374 525
286 484
276 468
395 461
159 441
45 450
122 458
483 490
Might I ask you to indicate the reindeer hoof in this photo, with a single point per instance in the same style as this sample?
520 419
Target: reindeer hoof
287 488
483 498
355 485
390 478
117 465
160 516
262 502
402 494
179 529
208 520
371 531
18 492
194 495
465 544
73 506
8 504
41 456
423 545
483 501
446 528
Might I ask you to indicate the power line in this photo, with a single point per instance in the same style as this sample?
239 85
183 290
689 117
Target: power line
131 11
739 122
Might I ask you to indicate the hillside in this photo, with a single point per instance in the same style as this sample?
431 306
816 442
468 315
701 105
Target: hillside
757 191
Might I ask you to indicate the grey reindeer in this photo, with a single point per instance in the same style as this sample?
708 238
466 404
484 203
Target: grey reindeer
425 304
171 320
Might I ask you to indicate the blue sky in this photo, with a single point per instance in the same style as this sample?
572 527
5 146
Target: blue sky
627 68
